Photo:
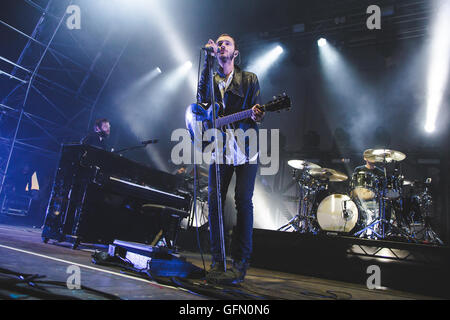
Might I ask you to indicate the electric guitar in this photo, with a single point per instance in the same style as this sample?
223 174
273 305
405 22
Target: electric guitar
199 117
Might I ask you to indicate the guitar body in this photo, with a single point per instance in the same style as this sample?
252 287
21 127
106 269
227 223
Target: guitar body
199 117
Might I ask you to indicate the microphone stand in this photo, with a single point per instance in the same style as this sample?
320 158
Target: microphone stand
210 62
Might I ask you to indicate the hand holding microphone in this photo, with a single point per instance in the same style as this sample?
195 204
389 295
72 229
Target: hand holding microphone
211 47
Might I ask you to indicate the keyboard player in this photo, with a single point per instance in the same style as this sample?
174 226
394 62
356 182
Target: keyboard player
100 136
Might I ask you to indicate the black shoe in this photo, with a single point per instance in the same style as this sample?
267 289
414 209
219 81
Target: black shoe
216 268
240 267
218 275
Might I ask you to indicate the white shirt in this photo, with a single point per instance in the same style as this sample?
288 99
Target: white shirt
233 152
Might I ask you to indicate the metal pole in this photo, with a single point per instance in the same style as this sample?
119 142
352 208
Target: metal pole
11 151
44 45
68 90
42 58
94 62
105 82
25 101
33 36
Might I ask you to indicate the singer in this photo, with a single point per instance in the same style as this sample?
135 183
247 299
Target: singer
237 90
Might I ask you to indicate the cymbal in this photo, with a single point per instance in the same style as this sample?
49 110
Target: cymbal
383 155
302 164
328 174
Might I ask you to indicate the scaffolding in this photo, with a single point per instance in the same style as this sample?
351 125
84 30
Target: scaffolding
54 85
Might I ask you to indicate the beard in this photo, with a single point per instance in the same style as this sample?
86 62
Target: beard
225 58
103 134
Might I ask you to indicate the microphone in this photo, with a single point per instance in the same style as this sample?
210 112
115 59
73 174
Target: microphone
346 214
210 49
150 141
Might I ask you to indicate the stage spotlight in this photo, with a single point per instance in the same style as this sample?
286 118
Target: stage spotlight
278 50
439 64
187 65
263 63
151 75
322 42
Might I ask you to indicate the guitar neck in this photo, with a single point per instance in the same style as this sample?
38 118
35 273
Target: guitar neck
223 121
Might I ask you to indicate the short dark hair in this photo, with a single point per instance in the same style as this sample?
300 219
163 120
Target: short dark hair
228 35
99 122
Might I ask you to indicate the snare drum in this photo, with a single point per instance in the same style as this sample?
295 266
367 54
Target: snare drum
363 185
337 212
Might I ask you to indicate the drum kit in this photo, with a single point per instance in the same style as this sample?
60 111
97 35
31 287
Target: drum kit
375 205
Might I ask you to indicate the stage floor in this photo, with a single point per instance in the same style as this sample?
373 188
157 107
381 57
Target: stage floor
22 251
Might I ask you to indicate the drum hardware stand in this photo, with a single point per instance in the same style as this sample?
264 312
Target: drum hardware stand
400 221
381 221
371 226
380 232
384 222
294 223
302 221
429 234
305 208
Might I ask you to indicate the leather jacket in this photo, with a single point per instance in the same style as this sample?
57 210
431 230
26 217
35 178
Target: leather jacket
242 94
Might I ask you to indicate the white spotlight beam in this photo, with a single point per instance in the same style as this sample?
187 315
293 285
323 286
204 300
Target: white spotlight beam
439 63
162 91
262 64
170 33
159 99
136 87
146 111
172 80
149 76
347 87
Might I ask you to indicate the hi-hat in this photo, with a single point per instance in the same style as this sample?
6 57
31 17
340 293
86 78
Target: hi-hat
302 164
328 174
383 155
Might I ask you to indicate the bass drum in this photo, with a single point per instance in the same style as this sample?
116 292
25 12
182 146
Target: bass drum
338 213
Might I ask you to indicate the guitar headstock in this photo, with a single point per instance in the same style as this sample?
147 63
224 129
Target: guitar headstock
278 103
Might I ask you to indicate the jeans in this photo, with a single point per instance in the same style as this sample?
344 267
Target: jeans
241 242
